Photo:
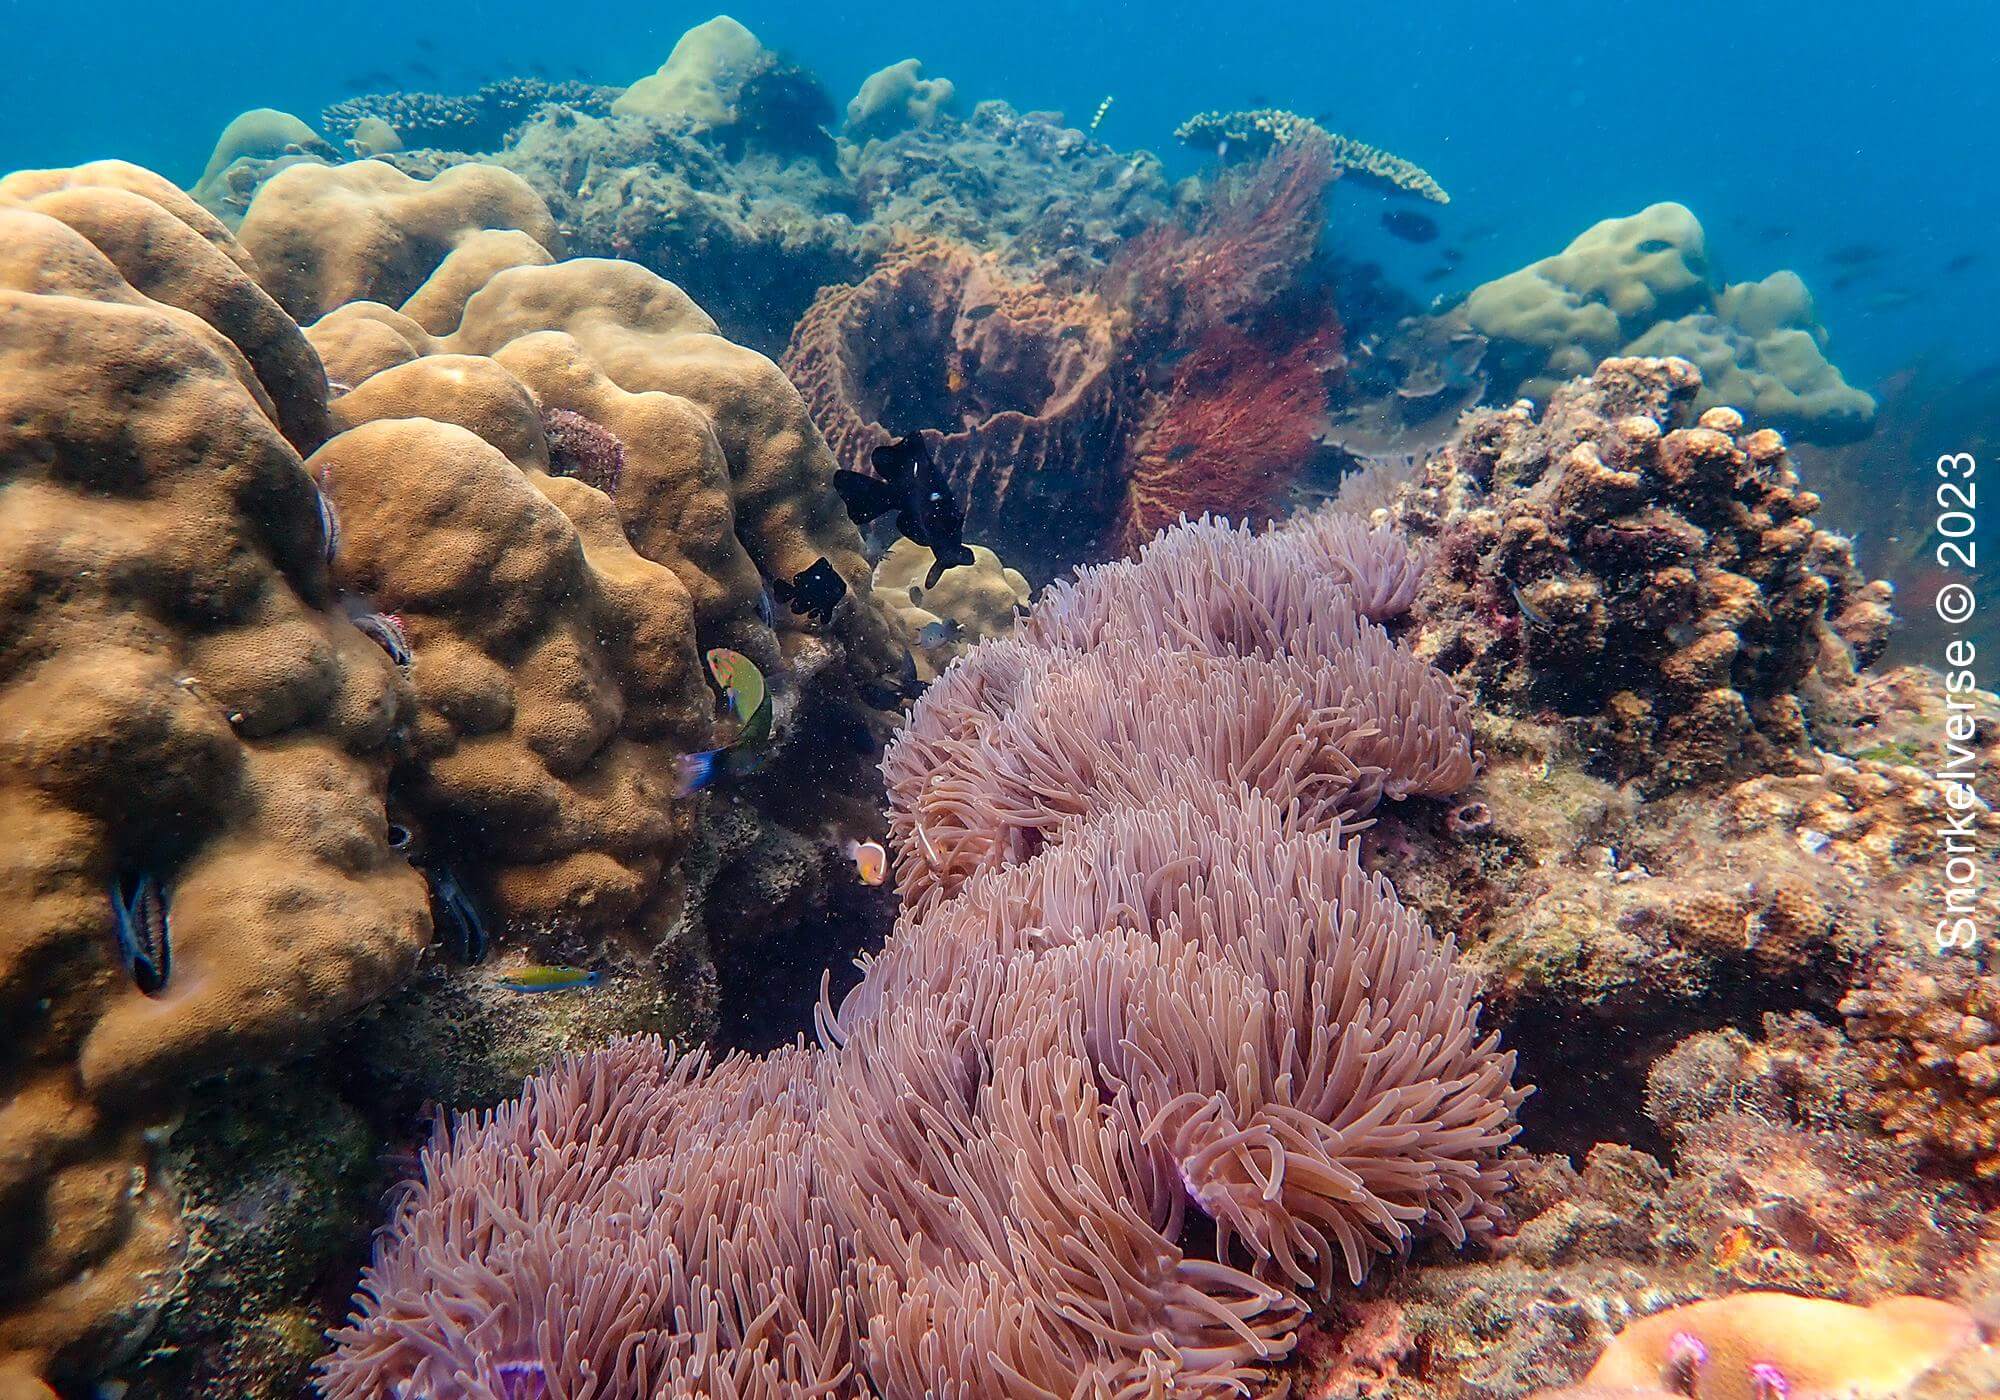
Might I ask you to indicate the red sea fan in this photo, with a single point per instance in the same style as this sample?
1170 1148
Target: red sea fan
1230 435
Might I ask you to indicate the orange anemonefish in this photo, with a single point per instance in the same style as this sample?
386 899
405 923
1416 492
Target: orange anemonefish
871 861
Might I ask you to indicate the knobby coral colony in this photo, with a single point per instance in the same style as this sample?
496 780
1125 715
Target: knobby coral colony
1140 981
470 585
1190 374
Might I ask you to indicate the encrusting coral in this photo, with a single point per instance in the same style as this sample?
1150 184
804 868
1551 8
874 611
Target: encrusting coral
314 648
981 1181
1640 286
1662 587
1776 1345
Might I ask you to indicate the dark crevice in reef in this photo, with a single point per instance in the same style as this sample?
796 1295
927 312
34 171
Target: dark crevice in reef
1590 1070
768 990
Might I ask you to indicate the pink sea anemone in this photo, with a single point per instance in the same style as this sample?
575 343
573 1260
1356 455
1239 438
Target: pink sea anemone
1141 980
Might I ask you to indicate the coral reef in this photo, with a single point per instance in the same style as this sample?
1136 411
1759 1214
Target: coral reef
1930 1032
1191 375
1777 1182
1264 129
987 1164
1661 587
1778 1344
477 121
286 654
185 709
898 99
1640 286
968 605
254 145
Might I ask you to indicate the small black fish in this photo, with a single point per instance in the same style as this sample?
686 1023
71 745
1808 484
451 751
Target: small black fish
139 919
907 687
1655 245
909 483
1409 225
1438 274
1854 254
815 592
456 917
1453 256
1962 262
980 312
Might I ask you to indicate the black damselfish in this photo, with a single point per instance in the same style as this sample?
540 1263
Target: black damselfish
909 483
814 593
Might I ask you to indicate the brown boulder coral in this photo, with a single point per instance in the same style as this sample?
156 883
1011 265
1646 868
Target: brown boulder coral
968 605
224 680
548 726
181 707
1662 587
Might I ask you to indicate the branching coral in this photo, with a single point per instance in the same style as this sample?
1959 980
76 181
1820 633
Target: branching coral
1663 586
1184 1001
1931 1036
1267 128
479 121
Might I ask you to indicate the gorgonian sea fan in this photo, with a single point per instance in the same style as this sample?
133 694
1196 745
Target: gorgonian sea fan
1140 978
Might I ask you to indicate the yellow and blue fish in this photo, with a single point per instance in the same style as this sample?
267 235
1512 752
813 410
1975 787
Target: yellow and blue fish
748 701
539 977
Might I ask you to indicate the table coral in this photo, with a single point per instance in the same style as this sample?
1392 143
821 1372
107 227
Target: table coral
1641 286
1663 586
1259 131
987 1166
182 703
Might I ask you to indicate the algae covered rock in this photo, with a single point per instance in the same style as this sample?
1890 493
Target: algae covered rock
898 98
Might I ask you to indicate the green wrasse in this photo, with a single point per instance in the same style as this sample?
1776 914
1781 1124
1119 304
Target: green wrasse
538 977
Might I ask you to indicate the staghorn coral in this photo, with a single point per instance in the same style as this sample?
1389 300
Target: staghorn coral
1662 587
181 703
1265 129
1640 286
980 1180
478 121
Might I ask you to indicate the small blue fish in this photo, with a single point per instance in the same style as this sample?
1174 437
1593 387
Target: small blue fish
459 926
1530 611
329 527
139 917
386 631
538 977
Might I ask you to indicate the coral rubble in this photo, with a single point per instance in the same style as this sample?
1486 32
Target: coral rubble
1057 1063
1640 286
285 652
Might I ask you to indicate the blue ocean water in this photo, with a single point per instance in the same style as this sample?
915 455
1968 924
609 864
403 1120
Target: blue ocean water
1792 131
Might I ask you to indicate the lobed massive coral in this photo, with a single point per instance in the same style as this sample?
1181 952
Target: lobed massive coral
1640 286
274 642
1184 1001
1662 587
